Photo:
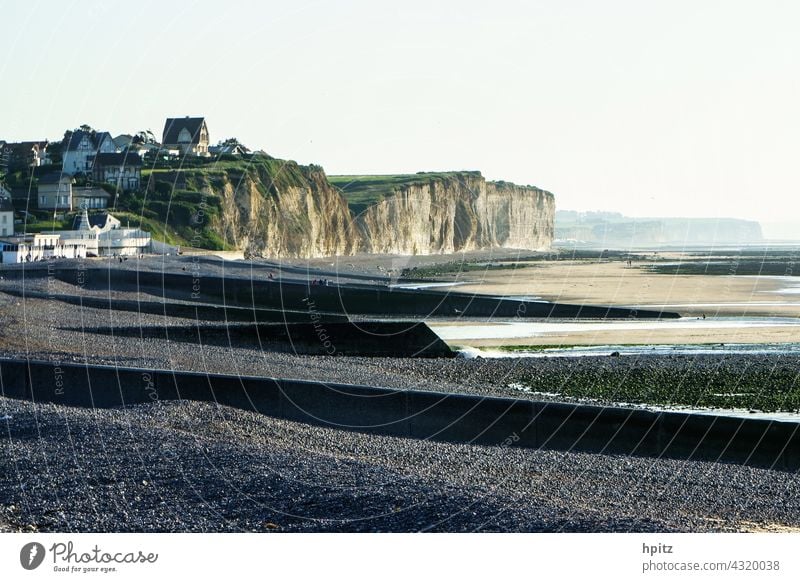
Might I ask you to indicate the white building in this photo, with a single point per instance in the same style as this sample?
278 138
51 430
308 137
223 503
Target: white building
115 240
30 248
82 234
81 148
104 236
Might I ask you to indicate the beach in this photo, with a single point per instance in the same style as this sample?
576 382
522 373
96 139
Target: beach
293 477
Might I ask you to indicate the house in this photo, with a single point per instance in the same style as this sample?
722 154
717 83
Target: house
24 154
122 170
55 192
39 247
81 147
122 141
6 216
231 149
90 197
187 134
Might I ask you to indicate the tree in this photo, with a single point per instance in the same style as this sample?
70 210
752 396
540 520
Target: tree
144 137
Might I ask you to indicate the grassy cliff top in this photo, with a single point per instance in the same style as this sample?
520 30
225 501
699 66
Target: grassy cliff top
280 173
363 191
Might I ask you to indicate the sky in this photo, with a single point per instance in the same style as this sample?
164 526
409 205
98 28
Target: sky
656 108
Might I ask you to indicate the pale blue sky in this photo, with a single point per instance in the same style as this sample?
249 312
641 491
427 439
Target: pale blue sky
645 107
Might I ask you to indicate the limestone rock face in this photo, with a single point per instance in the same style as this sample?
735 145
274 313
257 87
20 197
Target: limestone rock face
460 212
282 209
267 217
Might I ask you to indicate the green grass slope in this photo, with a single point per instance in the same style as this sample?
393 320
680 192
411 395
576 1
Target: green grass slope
182 205
364 191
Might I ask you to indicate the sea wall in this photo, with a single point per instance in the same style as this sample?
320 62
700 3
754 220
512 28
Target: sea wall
422 415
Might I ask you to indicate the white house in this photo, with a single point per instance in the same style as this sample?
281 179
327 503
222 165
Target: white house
187 134
81 148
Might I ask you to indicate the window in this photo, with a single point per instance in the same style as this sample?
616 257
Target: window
42 200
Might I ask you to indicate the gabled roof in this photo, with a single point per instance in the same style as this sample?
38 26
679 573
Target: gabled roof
22 149
174 125
120 159
102 219
55 178
123 140
98 220
236 149
96 138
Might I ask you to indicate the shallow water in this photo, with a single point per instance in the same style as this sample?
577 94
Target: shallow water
733 304
639 350
429 285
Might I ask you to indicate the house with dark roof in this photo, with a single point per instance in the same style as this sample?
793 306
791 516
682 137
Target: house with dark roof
55 192
187 134
90 197
122 170
80 148
6 216
23 154
230 149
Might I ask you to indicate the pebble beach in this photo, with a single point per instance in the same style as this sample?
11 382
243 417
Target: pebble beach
189 466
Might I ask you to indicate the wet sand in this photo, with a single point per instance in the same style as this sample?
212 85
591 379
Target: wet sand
615 283
595 282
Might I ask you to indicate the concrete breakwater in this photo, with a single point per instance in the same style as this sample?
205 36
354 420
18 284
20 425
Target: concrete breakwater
318 337
342 299
422 415
196 311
